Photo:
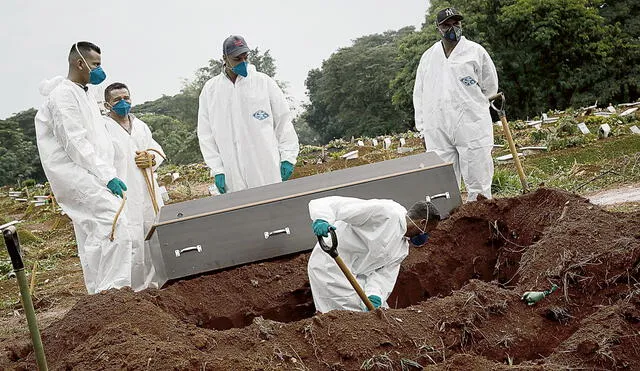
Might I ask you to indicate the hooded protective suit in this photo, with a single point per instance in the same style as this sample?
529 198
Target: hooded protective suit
138 209
371 243
452 110
77 158
245 129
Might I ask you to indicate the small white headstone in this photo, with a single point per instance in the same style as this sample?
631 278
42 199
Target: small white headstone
164 194
360 143
375 142
402 142
387 143
611 108
175 176
350 155
635 129
544 117
629 111
583 128
604 130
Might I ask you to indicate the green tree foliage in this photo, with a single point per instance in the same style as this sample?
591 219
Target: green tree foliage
18 155
350 93
175 137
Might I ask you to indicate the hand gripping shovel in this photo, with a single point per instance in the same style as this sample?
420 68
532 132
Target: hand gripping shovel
13 247
333 252
507 133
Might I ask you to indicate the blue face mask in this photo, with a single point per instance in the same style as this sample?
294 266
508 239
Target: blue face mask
240 69
453 34
420 239
121 108
97 75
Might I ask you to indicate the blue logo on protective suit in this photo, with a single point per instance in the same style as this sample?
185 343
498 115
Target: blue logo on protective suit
468 81
260 115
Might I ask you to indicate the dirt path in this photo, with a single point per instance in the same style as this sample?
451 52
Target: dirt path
630 193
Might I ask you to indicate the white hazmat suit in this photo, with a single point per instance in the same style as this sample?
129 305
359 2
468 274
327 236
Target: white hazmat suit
138 208
371 243
245 129
77 157
452 110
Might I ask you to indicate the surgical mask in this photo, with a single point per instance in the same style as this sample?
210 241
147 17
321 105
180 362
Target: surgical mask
121 108
241 69
454 33
419 239
96 75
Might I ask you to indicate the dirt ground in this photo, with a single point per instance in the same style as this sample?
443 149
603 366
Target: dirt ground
456 305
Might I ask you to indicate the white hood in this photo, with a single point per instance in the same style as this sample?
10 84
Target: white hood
47 86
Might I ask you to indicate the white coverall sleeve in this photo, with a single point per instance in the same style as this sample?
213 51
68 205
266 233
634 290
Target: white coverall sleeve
417 96
152 144
381 281
489 78
288 145
350 210
208 145
72 134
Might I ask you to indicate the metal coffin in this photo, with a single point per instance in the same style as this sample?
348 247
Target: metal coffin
218 232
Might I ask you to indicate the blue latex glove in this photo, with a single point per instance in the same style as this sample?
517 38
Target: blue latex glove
220 183
286 169
321 227
116 186
375 300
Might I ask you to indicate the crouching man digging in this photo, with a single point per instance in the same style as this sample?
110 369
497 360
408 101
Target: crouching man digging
373 239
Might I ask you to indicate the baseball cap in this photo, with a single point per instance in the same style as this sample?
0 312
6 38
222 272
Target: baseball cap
234 45
448 13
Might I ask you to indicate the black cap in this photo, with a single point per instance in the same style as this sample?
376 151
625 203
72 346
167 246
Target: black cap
448 13
234 45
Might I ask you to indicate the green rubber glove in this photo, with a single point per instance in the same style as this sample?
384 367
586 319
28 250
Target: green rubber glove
321 227
116 186
286 169
220 183
375 300
532 297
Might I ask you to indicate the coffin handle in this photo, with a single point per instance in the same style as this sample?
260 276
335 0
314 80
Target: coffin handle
197 248
279 231
439 195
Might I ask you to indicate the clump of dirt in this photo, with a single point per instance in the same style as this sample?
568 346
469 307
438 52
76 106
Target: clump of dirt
457 299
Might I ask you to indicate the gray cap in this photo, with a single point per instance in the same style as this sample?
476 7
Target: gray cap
234 45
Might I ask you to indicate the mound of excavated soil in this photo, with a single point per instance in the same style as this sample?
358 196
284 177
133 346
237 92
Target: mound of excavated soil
456 305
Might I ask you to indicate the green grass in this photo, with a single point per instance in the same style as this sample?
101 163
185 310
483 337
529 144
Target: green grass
611 161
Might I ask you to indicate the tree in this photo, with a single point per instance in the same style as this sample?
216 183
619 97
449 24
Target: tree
17 154
350 93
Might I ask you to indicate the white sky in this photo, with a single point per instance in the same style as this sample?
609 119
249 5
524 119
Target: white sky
153 45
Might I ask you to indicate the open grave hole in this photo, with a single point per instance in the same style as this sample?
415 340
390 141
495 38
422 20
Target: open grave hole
483 241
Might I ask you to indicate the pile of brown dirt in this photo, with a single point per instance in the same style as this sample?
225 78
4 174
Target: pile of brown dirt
456 305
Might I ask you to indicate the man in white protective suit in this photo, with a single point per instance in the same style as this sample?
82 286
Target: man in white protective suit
244 125
77 158
455 77
135 160
373 240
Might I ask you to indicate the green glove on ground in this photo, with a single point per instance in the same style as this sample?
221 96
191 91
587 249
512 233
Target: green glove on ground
375 300
286 169
321 227
220 183
532 297
117 186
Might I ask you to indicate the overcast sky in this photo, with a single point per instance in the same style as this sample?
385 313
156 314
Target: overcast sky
153 45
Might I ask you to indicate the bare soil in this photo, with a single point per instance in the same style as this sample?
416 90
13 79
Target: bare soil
456 305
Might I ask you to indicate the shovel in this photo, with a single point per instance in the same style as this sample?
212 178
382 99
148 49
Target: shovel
333 252
13 247
507 133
